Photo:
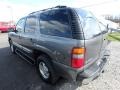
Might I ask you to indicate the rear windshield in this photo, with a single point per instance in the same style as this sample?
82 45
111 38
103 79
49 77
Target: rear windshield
83 15
89 23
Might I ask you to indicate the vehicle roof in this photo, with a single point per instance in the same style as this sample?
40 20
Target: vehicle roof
83 12
59 7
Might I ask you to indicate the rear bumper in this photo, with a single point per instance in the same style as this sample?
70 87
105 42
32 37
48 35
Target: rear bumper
93 72
86 74
94 69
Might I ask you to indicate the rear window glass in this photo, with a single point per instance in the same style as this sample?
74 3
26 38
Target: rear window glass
91 28
89 23
83 15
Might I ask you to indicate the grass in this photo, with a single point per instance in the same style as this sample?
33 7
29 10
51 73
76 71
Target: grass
114 36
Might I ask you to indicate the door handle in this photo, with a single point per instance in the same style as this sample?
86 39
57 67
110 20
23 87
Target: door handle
31 40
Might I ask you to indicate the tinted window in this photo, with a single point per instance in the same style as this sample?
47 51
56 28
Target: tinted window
103 28
55 23
20 25
31 24
83 15
91 28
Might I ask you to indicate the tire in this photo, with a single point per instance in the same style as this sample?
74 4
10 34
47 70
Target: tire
47 73
12 47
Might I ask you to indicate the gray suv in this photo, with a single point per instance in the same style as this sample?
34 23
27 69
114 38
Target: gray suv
62 42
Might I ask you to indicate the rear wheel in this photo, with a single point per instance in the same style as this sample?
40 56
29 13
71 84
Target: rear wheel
45 69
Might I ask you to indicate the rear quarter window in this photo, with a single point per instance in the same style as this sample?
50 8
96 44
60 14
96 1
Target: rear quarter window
55 23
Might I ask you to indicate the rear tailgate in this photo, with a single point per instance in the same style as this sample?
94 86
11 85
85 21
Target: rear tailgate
105 41
92 35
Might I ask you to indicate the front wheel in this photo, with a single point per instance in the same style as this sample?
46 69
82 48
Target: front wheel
12 48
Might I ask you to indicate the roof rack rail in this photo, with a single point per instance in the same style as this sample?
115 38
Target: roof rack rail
59 6
54 7
33 12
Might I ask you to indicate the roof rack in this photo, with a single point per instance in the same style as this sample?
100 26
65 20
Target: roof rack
59 6
55 7
33 12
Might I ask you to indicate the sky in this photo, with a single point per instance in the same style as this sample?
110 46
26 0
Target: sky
15 9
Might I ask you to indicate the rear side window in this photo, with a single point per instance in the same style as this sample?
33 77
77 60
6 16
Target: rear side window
31 24
91 28
55 23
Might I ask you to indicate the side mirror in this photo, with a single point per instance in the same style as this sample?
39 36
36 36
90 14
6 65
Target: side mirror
12 30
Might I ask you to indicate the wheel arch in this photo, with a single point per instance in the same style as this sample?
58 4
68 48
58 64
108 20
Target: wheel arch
37 53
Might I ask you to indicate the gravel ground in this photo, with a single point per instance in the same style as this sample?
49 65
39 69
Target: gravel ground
110 80
16 74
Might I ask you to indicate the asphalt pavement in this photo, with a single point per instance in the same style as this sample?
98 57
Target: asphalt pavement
17 74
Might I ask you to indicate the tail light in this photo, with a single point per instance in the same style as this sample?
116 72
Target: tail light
78 59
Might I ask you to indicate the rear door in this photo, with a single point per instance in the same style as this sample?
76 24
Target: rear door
92 35
104 32
93 39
